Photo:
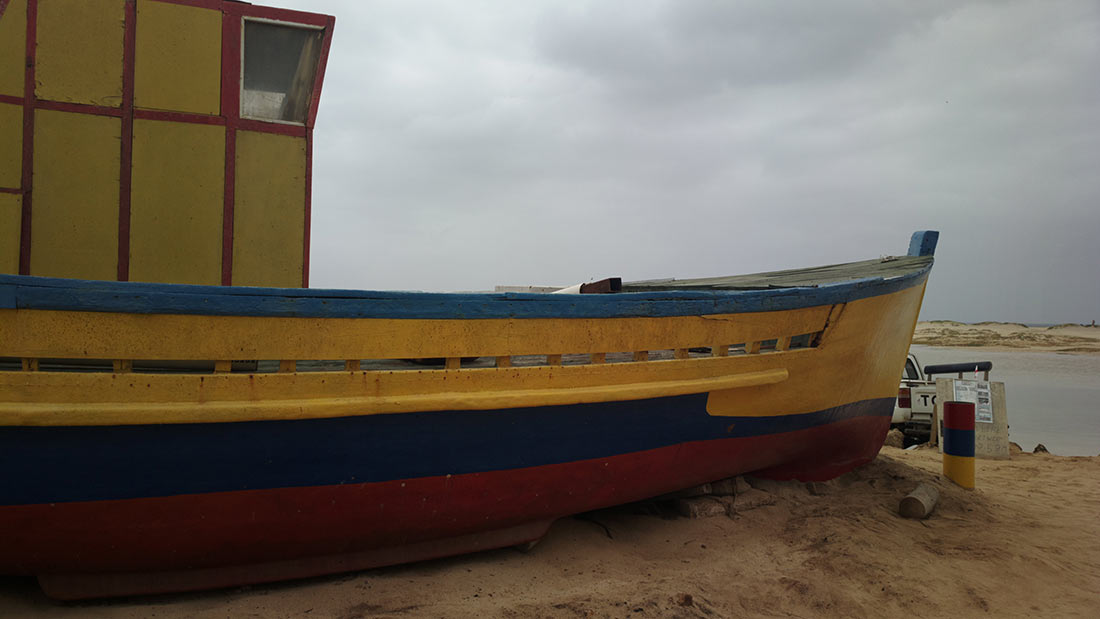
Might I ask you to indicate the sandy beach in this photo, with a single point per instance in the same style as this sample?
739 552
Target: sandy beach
1026 542
1068 338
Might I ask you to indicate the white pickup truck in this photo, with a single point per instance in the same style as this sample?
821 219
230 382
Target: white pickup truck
916 403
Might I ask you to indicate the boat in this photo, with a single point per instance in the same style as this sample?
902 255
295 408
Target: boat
122 481
179 411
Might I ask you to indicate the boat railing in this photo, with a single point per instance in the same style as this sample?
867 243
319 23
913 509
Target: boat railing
123 366
101 342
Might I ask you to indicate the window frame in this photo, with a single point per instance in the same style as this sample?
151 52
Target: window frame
317 72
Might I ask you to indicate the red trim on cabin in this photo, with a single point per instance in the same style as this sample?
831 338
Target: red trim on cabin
266 12
15 190
12 99
202 4
309 207
125 158
231 107
322 62
227 205
78 108
179 117
28 139
250 124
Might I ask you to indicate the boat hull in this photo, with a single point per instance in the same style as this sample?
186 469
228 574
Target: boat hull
170 543
123 482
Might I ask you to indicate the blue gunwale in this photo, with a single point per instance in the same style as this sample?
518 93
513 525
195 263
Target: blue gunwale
47 293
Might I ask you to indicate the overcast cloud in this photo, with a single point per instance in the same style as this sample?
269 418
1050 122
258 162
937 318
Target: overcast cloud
461 145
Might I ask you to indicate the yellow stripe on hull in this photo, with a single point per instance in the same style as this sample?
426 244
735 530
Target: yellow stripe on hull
859 357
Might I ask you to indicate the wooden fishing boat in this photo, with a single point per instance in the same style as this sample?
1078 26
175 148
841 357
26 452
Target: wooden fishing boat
163 433
335 455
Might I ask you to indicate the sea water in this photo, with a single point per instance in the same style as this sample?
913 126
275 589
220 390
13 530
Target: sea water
1052 398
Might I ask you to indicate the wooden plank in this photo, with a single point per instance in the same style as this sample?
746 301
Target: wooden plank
352 365
553 359
30 365
783 343
453 363
287 366
752 348
504 361
722 350
122 366
681 353
641 355
223 367
599 357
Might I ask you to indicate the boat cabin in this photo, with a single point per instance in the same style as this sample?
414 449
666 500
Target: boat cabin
158 140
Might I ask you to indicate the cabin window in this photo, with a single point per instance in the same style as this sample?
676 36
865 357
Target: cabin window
279 70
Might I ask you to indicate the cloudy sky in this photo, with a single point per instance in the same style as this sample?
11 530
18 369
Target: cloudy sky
461 145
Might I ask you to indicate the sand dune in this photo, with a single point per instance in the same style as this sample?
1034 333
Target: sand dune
1025 543
1070 338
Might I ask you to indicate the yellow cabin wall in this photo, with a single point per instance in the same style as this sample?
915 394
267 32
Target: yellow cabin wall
176 202
269 210
79 54
177 169
178 58
11 145
13 48
11 206
76 190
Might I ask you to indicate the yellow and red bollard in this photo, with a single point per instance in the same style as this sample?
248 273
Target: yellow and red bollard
958 442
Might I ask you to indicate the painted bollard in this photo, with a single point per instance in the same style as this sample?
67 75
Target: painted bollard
958 442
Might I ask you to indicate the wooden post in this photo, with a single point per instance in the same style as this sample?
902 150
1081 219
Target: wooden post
958 442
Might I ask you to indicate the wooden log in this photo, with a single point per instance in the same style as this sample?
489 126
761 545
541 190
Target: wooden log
920 502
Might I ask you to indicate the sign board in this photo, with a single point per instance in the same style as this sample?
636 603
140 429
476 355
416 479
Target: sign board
977 393
991 434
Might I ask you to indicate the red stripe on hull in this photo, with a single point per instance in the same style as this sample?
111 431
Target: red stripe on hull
182 542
